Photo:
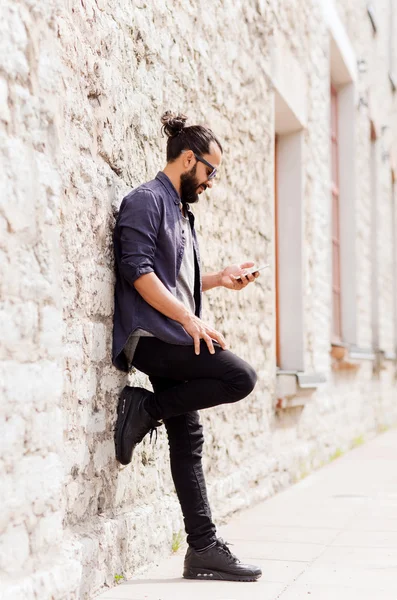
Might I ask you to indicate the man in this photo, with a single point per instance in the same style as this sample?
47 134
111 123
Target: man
159 330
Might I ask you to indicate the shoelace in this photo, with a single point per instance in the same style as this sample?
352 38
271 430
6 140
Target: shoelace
223 547
158 423
151 434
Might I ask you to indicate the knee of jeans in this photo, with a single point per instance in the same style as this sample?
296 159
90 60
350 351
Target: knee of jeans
246 382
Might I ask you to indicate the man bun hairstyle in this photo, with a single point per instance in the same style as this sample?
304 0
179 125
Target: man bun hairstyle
194 137
172 123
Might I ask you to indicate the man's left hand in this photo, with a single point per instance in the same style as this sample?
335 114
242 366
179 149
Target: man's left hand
229 276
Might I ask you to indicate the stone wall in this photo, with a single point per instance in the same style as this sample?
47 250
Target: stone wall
82 87
31 371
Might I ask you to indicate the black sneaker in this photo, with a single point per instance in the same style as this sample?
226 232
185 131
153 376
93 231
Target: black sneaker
218 563
133 422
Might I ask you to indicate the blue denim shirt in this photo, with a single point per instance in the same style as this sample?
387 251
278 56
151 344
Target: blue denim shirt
149 237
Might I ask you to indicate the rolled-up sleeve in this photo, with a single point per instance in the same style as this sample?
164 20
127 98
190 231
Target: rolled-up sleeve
139 222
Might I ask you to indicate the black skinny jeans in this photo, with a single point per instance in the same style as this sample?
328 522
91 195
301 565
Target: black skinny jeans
184 383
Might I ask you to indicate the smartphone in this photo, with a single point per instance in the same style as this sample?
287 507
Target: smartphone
254 270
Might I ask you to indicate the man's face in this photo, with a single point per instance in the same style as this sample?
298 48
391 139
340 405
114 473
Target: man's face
195 181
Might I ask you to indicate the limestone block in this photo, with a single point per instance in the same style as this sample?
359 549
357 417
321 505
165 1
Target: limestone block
103 454
19 323
14 549
9 502
31 283
96 336
79 505
4 108
47 534
45 431
76 454
13 437
30 385
73 352
69 284
97 422
51 328
99 292
87 384
39 479
59 577
20 212
109 382
13 35
71 494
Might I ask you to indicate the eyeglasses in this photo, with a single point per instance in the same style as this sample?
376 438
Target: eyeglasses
214 170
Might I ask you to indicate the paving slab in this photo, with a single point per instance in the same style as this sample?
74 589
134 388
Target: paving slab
332 536
334 592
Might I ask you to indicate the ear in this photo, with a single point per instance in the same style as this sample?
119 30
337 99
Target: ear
188 159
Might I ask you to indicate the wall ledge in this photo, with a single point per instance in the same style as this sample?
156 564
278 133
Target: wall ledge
294 388
357 353
348 357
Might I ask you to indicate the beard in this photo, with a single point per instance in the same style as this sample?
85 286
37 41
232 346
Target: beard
189 185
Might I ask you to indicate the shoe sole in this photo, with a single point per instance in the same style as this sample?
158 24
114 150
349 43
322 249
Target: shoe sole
208 574
125 402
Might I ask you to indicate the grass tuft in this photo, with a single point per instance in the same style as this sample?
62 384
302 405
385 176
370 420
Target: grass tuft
177 539
338 452
383 427
358 441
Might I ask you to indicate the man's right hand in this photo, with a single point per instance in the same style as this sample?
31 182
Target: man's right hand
157 295
200 331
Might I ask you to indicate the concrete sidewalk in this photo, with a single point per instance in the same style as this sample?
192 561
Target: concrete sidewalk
333 536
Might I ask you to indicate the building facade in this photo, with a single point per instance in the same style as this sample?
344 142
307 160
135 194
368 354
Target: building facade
302 96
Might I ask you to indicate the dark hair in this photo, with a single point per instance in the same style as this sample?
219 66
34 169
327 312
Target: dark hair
195 137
